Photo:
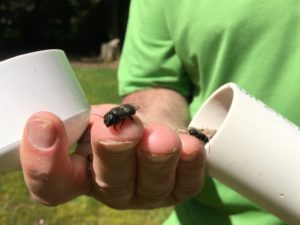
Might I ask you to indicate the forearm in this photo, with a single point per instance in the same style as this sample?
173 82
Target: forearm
160 105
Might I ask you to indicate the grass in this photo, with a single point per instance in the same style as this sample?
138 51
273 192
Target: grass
100 85
17 208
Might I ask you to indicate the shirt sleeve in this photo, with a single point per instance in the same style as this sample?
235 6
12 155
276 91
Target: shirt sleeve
148 57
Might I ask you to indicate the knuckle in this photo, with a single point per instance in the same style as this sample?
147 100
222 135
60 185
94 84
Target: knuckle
153 200
44 201
41 189
115 199
186 193
154 195
120 191
37 178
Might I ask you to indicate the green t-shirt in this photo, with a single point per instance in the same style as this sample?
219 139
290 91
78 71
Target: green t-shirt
195 46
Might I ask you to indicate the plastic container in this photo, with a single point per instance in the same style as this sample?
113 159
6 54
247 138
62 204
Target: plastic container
255 150
39 81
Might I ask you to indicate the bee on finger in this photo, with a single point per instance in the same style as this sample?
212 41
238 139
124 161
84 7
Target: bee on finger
119 114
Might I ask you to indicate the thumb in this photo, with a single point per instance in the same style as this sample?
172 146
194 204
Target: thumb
51 175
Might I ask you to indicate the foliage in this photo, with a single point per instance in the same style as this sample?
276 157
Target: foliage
18 209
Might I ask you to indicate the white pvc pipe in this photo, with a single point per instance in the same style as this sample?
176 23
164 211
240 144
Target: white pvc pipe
38 81
254 151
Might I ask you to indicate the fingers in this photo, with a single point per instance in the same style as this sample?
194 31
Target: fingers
132 167
171 167
158 155
114 161
50 174
190 169
137 167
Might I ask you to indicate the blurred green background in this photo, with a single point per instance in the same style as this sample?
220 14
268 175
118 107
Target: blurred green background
17 208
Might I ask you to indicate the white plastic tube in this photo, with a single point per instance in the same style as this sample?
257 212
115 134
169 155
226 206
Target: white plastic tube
39 81
254 151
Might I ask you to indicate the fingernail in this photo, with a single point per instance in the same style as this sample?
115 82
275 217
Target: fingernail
189 157
41 133
117 146
159 157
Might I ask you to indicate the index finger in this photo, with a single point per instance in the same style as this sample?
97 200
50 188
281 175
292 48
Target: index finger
114 162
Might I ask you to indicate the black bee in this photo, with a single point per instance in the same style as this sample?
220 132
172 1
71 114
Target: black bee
119 114
198 134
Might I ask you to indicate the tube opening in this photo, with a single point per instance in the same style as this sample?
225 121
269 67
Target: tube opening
214 111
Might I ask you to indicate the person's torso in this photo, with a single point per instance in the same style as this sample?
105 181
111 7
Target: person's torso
255 44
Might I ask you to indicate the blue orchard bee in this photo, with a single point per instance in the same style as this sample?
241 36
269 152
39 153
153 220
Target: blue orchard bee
119 114
198 134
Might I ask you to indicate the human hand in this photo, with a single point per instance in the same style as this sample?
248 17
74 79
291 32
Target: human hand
133 166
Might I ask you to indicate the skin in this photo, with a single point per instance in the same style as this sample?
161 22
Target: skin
145 163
